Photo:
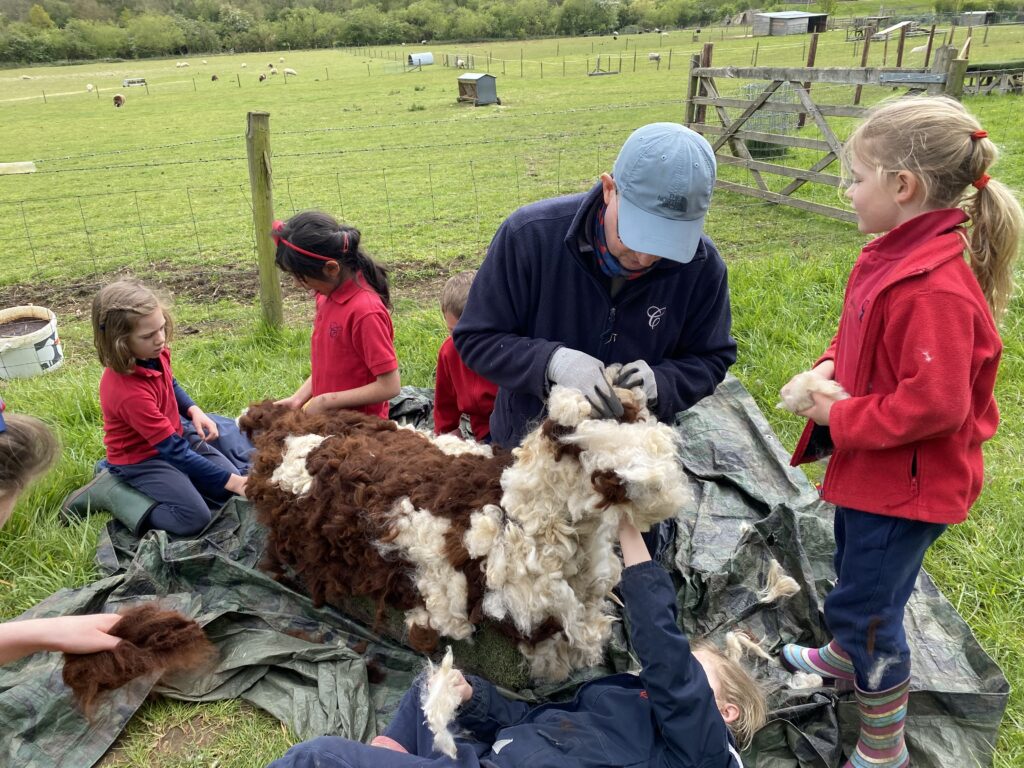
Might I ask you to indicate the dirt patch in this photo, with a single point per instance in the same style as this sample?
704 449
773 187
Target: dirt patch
414 281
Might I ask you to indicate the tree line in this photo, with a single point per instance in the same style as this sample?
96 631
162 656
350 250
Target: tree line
36 31
53 30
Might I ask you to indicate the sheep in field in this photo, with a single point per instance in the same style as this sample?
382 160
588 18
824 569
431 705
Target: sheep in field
453 533
460 63
214 78
89 87
244 65
281 60
289 71
654 57
263 76
118 100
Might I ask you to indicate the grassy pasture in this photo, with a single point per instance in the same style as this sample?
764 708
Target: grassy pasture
160 188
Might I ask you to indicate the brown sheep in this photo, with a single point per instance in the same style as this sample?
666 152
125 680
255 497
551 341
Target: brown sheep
118 100
451 533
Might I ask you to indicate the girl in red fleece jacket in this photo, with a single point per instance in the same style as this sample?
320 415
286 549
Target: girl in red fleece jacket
917 350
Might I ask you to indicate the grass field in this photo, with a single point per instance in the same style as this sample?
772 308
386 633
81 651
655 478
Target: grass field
160 188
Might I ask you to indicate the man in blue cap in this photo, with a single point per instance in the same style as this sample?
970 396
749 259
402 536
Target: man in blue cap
620 274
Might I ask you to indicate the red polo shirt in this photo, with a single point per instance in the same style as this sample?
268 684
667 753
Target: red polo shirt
460 390
353 341
139 410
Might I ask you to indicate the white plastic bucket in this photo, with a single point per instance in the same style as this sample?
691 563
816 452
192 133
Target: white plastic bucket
31 353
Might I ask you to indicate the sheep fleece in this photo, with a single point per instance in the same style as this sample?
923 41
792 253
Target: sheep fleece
451 533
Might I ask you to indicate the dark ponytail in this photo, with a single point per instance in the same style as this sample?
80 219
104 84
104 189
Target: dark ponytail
321 234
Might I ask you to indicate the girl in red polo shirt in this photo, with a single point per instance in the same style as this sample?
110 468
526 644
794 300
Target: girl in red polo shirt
352 353
179 473
917 350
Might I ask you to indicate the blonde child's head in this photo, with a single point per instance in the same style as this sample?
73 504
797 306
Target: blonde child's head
739 697
116 311
949 153
27 449
454 295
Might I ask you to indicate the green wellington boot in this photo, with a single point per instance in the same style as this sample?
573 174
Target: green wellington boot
105 492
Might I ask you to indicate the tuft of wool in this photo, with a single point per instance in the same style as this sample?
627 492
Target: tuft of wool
452 445
152 641
291 474
739 644
805 680
778 585
440 699
796 395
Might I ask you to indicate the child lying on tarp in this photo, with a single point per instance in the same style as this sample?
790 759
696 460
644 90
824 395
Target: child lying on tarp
27 449
687 707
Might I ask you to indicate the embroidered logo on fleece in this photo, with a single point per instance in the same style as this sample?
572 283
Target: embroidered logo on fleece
654 316
499 745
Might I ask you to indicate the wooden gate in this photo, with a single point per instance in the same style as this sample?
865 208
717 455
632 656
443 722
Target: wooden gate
734 133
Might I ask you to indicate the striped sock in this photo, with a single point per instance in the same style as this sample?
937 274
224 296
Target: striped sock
828 661
881 743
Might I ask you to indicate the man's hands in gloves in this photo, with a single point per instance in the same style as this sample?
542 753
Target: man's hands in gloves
639 374
580 371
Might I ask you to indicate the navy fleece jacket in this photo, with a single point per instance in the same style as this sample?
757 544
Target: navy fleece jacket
539 289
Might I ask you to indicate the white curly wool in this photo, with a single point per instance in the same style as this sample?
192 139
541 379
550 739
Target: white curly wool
421 540
796 395
805 680
440 699
778 584
291 475
456 446
738 644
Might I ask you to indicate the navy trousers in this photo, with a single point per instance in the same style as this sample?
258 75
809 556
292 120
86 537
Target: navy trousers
877 561
408 728
180 508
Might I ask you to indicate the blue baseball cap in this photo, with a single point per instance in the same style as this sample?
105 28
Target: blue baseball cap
664 175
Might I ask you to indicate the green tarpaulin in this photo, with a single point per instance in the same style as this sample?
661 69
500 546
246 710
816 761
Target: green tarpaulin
308 666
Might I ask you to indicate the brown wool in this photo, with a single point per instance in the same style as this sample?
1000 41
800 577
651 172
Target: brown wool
153 640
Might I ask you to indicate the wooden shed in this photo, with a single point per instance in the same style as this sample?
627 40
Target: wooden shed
976 18
789 23
478 88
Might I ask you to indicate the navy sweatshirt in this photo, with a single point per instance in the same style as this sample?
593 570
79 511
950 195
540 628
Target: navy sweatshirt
539 289
664 718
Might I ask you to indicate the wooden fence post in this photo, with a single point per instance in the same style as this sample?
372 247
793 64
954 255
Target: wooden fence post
691 91
899 49
802 119
261 182
955 78
868 32
705 61
928 50
940 64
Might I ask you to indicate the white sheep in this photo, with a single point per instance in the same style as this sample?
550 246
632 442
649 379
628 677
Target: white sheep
654 57
244 65
919 49
288 71
89 87
460 63
281 60
204 61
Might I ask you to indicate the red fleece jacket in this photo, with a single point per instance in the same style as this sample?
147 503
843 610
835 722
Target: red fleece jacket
908 441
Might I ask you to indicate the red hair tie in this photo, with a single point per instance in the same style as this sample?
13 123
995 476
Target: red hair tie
979 135
278 226
982 181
